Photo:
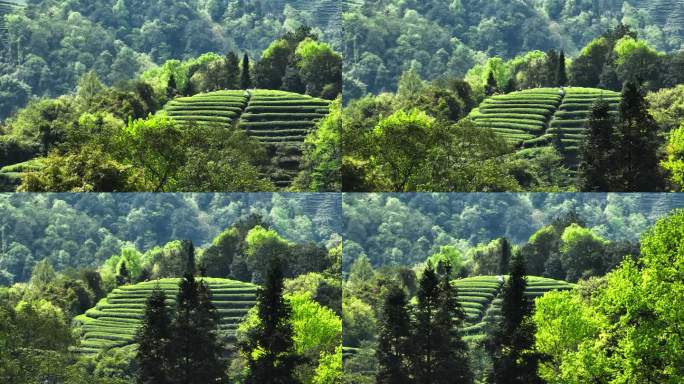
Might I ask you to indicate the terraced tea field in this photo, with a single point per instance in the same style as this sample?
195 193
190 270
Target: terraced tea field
519 116
10 175
116 318
543 117
281 120
481 299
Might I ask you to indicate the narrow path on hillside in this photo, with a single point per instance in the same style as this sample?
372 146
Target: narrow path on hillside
490 303
236 121
563 93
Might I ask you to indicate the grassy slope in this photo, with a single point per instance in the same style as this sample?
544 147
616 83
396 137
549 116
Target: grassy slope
116 318
543 117
279 119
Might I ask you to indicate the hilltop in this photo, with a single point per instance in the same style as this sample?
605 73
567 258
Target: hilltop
115 320
543 117
280 120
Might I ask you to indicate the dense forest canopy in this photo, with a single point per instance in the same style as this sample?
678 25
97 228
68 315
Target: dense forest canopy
382 39
408 228
72 230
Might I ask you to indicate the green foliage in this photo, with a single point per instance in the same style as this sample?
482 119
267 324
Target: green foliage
675 156
359 321
609 332
450 255
563 323
667 107
401 142
321 164
329 368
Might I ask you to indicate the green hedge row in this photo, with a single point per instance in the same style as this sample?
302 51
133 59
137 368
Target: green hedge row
294 103
281 116
517 105
276 124
484 119
284 109
530 111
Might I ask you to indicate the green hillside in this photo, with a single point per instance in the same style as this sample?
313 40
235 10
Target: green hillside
480 298
116 318
279 119
543 116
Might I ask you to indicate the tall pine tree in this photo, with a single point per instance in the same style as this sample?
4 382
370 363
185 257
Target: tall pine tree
505 256
492 86
171 88
190 265
273 336
153 340
637 143
245 78
210 365
451 365
438 355
123 277
194 358
596 151
393 346
184 332
512 340
561 74
232 62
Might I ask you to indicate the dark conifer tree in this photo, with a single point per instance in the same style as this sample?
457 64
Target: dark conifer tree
451 365
562 74
505 256
636 152
511 342
595 153
273 335
608 79
551 72
153 340
210 367
511 85
245 78
492 86
232 62
195 352
393 348
171 87
190 266
423 337
184 332
123 277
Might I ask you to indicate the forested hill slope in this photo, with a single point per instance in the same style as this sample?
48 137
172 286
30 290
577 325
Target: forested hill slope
52 43
382 38
6 7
